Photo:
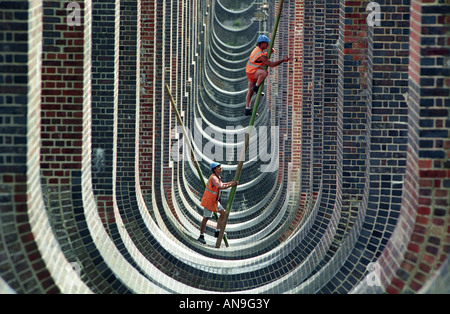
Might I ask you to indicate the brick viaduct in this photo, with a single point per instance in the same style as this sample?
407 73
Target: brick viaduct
93 200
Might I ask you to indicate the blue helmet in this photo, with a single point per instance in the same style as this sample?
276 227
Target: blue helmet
263 39
214 165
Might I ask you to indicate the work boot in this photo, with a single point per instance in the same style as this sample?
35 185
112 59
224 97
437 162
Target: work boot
255 89
201 239
248 112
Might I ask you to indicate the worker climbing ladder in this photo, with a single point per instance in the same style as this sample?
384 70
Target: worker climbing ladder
247 135
191 150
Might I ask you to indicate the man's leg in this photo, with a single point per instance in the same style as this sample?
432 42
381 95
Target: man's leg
253 86
206 216
260 76
250 93
203 225
219 221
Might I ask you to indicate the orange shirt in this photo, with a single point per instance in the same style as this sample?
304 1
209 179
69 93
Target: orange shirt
252 66
210 199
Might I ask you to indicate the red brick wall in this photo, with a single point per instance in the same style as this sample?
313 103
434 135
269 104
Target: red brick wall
62 97
353 54
148 100
296 51
422 239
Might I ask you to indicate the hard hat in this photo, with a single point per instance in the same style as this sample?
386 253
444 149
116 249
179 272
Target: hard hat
214 165
263 39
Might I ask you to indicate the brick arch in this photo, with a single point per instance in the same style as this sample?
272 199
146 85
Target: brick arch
87 139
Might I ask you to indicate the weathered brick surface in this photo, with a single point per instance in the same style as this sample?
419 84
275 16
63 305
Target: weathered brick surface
87 139
105 61
21 257
424 216
66 138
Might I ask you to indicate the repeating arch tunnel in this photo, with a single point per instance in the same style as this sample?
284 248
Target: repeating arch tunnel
345 186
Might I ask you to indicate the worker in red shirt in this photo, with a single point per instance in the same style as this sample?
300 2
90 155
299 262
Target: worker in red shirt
211 199
255 69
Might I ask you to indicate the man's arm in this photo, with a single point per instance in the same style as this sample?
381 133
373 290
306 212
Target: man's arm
271 64
221 185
